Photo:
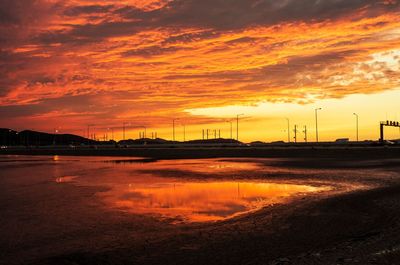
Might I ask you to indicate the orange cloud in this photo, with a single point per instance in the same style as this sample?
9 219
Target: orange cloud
147 60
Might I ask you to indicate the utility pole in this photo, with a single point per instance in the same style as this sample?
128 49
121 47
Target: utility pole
207 133
215 134
316 123
295 133
305 133
219 133
202 133
355 114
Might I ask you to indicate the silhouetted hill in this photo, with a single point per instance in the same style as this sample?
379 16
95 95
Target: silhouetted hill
28 137
34 138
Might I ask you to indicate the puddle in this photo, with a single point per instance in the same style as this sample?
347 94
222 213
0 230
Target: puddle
200 201
193 190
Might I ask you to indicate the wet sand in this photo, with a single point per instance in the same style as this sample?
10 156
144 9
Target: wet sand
357 222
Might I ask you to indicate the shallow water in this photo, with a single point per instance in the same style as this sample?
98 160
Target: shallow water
182 190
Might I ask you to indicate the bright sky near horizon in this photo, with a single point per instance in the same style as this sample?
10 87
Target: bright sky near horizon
69 63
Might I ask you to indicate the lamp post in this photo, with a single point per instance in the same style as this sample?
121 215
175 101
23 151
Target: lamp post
288 130
144 127
316 123
237 126
355 114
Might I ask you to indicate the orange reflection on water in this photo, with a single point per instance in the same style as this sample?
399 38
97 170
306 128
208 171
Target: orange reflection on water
200 201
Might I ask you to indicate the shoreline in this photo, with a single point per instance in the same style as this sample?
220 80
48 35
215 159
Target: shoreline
172 152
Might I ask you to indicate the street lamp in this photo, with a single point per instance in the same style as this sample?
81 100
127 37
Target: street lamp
316 123
355 114
237 126
288 130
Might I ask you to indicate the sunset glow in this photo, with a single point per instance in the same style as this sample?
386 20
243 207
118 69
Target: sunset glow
71 63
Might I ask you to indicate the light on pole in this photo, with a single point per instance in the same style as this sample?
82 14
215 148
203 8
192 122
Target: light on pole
237 126
316 123
55 134
288 130
355 114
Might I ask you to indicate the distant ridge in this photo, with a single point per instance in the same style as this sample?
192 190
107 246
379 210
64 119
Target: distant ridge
34 138
9 137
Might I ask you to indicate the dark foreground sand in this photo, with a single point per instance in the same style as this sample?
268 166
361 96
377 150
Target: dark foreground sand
351 227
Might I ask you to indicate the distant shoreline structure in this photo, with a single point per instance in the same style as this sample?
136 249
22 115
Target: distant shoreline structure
32 139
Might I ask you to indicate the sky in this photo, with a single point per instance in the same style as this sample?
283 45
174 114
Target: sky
65 65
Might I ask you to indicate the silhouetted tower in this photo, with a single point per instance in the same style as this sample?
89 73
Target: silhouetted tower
203 133
295 133
215 134
207 133
305 133
219 133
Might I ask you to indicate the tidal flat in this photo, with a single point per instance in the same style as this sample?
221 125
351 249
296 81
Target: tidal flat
135 210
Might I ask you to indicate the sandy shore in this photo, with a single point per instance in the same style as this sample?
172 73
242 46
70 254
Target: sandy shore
45 223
